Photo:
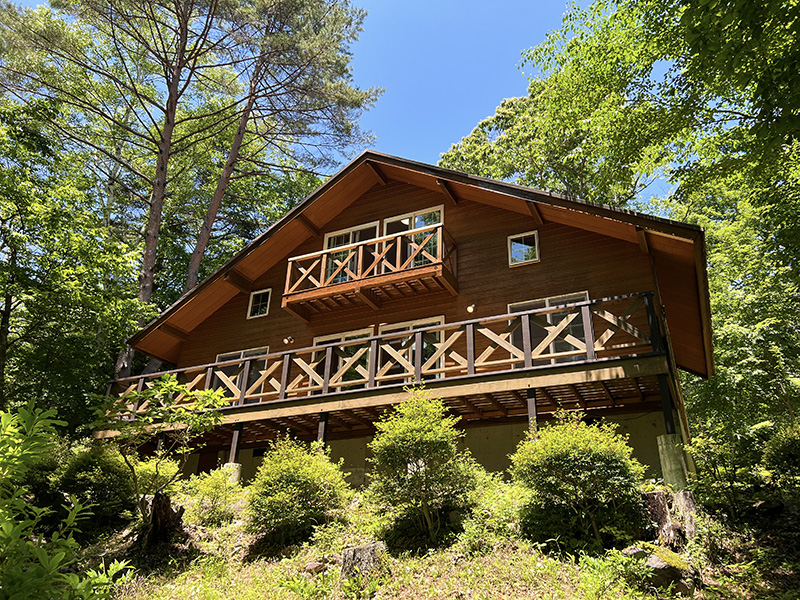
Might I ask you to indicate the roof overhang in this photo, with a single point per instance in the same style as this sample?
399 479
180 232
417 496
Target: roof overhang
677 249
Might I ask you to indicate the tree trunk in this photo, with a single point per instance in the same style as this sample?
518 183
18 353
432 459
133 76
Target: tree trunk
204 235
164 520
5 326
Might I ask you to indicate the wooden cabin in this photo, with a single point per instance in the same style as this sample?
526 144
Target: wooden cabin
506 301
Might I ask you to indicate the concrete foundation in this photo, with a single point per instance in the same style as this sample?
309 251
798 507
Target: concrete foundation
235 471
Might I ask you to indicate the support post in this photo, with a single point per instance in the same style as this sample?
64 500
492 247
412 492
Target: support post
532 413
322 427
235 468
673 462
666 404
160 441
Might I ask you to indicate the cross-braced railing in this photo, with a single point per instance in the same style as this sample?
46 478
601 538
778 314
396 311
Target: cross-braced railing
580 332
398 253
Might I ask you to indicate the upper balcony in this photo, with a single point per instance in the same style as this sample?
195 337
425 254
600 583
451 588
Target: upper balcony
367 274
597 355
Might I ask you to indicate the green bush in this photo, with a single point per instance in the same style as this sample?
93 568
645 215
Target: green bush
419 471
213 497
585 484
296 488
97 476
156 474
782 457
34 565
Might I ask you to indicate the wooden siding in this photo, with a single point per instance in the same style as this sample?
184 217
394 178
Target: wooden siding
572 260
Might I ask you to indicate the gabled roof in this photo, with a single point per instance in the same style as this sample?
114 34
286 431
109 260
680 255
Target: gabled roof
679 246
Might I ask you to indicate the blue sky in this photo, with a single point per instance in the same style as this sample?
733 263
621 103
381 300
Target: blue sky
445 65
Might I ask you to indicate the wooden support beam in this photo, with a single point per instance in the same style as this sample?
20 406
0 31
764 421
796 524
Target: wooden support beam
369 297
548 396
535 213
641 234
235 439
496 404
322 427
518 397
306 222
577 394
533 416
607 393
377 172
178 334
239 281
666 403
445 188
297 310
466 402
289 424
351 414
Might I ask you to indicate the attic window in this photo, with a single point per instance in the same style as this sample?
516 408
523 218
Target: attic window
259 303
523 248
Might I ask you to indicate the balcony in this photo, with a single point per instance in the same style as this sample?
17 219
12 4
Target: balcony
602 355
370 273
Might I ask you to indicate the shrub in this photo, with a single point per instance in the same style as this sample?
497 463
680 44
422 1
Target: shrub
33 565
295 488
156 474
782 457
213 497
97 476
419 471
584 480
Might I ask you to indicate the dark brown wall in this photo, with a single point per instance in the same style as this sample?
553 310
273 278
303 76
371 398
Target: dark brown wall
571 260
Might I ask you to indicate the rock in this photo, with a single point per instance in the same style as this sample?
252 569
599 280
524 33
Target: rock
364 561
685 505
314 567
665 575
658 509
768 508
635 552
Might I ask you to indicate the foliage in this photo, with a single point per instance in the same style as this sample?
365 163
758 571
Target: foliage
419 470
296 488
782 456
34 565
67 290
168 409
96 475
154 474
213 497
583 475
494 518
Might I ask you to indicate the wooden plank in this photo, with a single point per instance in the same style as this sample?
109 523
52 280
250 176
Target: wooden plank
577 395
369 297
310 227
609 396
178 334
239 281
322 427
447 191
235 438
376 171
533 209
641 235
489 398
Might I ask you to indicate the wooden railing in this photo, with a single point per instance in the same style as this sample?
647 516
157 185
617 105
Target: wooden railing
398 253
554 336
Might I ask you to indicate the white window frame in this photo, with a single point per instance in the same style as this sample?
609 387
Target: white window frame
328 236
250 303
340 337
538 258
548 302
388 220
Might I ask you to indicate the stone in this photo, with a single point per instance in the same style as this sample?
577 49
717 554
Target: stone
314 567
634 552
364 561
665 575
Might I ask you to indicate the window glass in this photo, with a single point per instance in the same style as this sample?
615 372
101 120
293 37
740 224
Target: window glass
334 260
409 245
259 303
523 248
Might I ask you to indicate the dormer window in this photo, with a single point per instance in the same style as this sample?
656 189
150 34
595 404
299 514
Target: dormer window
523 248
259 303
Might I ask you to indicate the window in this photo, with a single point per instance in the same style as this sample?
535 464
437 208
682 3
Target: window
259 303
539 333
523 248
341 354
234 371
407 222
346 237
404 346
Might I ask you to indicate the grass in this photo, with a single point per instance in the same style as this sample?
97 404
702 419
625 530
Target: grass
757 561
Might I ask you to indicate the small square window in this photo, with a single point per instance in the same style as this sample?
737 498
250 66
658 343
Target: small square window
259 303
523 248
